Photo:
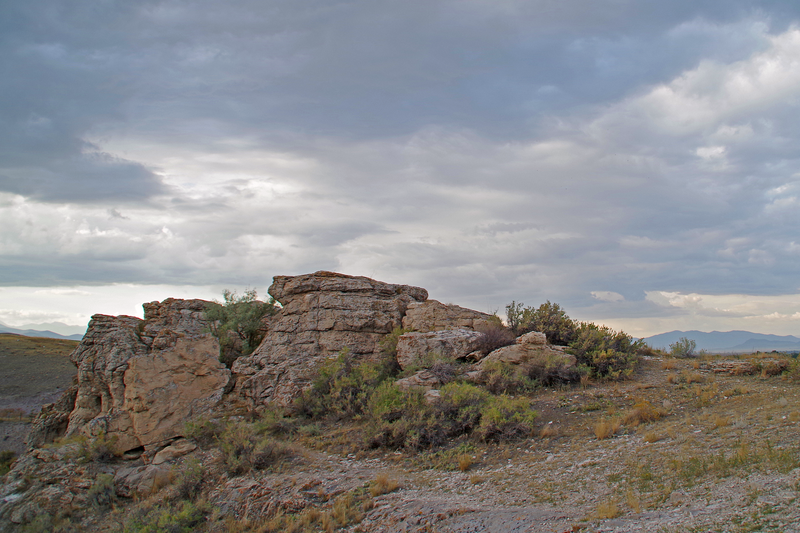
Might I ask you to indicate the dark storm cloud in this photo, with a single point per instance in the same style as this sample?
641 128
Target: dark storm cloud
487 150
60 80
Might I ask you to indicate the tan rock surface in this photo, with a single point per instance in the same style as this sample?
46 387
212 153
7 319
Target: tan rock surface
415 347
432 315
322 314
140 380
531 348
173 385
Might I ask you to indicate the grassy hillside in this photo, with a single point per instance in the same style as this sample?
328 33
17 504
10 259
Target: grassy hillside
33 369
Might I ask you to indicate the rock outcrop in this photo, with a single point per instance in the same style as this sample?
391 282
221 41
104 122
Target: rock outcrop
434 316
140 380
531 348
323 313
451 344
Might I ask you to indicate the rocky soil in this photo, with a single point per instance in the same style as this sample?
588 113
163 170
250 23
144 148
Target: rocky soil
724 456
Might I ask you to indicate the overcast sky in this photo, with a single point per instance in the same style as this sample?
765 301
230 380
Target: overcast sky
637 162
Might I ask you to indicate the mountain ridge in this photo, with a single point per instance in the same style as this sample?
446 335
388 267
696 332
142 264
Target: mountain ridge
727 341
39 333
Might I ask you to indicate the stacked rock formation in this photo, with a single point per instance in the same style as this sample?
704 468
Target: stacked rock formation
323 313
140 380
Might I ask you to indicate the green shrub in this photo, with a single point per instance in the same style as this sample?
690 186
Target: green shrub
237 323
244 449
404 419
549 318
7 458
506 418
204 431
342 387
100 449
190 480
182 517
683 347
389 343
499 377
606 353
102 494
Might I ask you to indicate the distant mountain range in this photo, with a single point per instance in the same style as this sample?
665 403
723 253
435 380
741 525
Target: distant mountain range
44 330
728 341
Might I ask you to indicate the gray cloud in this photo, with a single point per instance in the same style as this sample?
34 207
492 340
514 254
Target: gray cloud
488 151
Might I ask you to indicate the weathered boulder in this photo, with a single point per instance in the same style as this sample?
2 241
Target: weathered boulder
322 314
177 449
451 344
433 316
140 480
531 349
140 380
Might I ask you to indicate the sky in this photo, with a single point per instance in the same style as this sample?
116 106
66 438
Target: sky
637 162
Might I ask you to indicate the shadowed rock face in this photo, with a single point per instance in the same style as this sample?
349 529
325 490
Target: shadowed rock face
322 314
140 380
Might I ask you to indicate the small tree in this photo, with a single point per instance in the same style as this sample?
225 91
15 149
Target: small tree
684 347
237 322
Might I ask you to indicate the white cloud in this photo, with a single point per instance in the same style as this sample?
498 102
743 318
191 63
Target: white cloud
608 296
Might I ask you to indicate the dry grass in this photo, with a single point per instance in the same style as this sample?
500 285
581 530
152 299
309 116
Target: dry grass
465 461
651 436
691 377
721 421
608 509
548 430
643 411
668 364
632 499
606 428
383 484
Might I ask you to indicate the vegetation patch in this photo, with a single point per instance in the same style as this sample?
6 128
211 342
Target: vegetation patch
238 323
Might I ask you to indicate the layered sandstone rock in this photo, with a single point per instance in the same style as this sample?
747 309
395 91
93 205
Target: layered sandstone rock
451 344
531 348
323 313
433 316
140 380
